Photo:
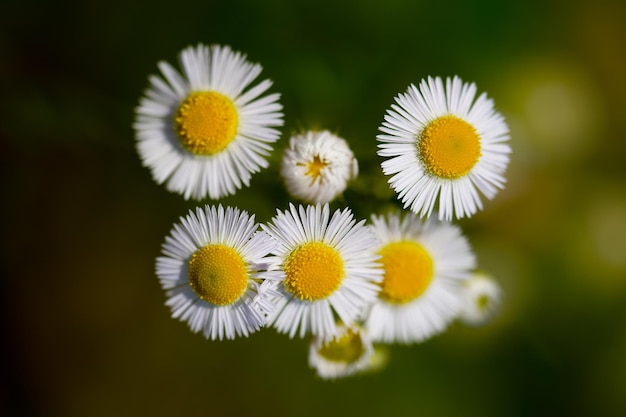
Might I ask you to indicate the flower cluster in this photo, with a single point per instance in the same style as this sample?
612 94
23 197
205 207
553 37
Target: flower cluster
352 285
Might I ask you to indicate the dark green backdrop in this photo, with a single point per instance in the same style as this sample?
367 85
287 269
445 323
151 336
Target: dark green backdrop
85 330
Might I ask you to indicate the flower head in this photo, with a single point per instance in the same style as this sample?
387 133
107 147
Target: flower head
482 297
346 354
324 268
443 146
424 266
210 270
317 166
200 131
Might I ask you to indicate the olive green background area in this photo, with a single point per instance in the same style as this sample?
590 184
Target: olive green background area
84 325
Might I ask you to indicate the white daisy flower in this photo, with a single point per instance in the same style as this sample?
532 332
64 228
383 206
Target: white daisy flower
199 130
425 264
348 353
482 297
325 268
317 166
442 146
210 270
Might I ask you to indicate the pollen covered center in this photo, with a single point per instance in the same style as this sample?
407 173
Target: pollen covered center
314 168
206 122
313 271
218 274
408 271
449 147
346 349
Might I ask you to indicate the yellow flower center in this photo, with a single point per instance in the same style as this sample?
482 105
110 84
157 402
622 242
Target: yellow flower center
408 271
449 147
347 349
313 271
206 122
315 167
482 302
218 274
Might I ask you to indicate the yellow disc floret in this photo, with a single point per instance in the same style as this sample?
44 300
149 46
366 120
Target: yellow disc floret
314 168
206 122
482 302
449 147
346 349
408 271
218 274
313 271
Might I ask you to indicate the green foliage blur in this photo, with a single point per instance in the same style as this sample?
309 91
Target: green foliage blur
85 328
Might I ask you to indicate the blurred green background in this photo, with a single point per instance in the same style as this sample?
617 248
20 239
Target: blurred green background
85 328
